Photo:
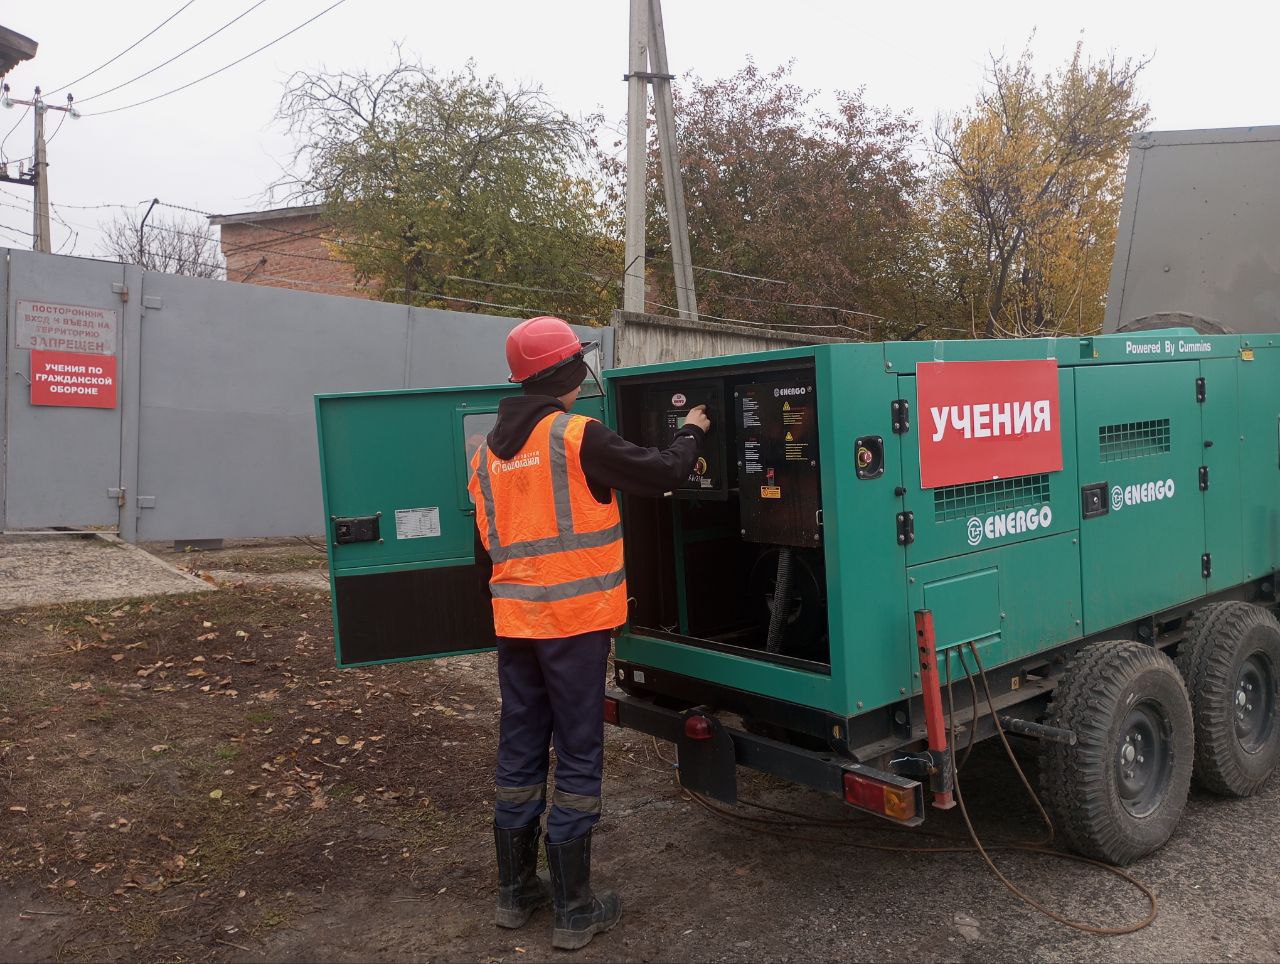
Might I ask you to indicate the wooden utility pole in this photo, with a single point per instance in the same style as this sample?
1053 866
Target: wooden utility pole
647 64
40 228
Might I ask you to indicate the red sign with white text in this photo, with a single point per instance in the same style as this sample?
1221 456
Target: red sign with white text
66 378
987 420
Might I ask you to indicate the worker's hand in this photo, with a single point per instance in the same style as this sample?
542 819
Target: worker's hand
698 416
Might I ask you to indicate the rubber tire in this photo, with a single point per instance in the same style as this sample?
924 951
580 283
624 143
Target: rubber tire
1220 637
1078 783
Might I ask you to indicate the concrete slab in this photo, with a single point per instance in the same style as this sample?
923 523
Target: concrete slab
41 570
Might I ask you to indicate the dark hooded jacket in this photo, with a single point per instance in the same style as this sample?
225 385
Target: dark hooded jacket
608 460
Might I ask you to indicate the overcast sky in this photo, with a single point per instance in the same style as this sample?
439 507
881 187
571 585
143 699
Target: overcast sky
216 147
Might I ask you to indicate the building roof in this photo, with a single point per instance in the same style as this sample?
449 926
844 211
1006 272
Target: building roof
14 49
270 214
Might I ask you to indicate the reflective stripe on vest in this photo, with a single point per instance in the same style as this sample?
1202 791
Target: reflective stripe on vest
565 539
548 585
564 590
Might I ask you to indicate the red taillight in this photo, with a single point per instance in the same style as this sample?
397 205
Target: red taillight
697 727
896 803
611 710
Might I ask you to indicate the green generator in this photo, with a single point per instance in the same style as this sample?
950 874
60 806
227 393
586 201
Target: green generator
887 550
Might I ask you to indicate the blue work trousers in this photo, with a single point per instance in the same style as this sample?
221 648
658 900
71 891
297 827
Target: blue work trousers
552 691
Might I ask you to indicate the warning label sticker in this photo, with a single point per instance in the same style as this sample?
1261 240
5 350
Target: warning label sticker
417 523
76 328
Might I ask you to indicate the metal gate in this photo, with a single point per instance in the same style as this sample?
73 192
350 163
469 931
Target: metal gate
213 432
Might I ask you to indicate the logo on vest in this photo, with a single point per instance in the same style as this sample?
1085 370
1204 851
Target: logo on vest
524 462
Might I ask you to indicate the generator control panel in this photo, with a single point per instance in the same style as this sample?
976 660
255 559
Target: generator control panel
664 411
777 456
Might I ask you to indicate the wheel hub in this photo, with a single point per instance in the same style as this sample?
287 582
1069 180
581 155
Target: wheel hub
1144 760
1255 703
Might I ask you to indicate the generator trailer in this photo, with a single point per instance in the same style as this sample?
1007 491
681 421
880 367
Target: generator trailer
898 549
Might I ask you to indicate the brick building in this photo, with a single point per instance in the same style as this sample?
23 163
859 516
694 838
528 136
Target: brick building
285 248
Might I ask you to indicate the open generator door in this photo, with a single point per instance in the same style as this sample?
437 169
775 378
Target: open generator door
400 523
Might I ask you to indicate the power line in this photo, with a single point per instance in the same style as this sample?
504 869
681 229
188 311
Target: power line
758 324
126 49
181 53
61 120
388 249
16 125
215 73
363 244
263 247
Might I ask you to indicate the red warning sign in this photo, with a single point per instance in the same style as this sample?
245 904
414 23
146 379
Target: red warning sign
68 379
987 420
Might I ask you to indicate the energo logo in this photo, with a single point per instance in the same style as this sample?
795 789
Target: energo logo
1140 493
1008 524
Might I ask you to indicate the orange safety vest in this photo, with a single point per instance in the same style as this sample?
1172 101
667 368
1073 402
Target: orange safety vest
556 551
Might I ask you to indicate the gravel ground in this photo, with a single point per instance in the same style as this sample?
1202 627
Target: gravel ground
322 846
36 571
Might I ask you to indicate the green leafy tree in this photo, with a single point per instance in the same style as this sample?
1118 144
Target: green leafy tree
829 204
1028 184
456 186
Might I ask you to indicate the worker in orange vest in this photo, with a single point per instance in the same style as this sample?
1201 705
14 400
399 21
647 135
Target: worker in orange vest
549 545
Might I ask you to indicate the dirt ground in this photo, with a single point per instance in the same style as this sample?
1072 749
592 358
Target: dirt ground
188 776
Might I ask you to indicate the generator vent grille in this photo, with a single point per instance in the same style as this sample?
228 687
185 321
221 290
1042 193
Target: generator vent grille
983 498
1133 440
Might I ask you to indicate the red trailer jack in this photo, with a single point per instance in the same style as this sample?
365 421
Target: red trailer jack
941 775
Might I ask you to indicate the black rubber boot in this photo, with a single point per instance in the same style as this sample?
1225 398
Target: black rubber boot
580 913
520 892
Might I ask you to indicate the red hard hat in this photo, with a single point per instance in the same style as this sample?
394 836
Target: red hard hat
536 345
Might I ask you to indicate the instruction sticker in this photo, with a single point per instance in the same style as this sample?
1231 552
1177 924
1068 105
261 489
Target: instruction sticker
417 523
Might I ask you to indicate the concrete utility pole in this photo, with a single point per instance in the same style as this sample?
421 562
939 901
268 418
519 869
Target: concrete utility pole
647 64
42 234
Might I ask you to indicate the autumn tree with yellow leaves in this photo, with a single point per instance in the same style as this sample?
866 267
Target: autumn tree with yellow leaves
1027 191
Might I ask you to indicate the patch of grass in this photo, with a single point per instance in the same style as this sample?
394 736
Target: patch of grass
341 791
266 562
260 716
231 836
227 751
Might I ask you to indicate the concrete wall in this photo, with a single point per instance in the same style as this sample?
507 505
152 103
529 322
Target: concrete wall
1200 229
642 339
213 435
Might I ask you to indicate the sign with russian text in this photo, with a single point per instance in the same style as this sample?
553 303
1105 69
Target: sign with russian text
74 380
980 421
48 327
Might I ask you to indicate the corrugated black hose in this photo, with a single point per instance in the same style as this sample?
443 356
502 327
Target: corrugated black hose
781 602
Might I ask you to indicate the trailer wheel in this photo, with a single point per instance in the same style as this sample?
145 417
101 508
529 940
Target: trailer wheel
1231 663
1118 793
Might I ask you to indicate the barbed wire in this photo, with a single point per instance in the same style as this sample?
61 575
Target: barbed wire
265 247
